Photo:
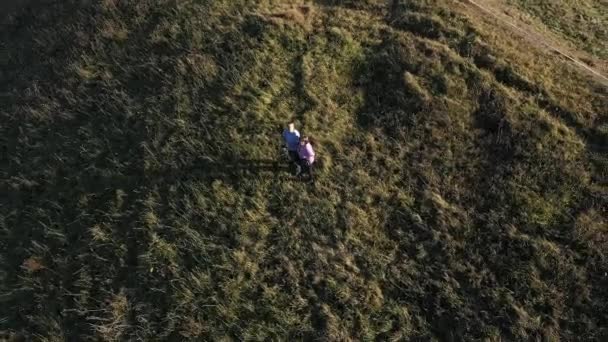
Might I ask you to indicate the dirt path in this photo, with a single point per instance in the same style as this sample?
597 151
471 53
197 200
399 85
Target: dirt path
546 40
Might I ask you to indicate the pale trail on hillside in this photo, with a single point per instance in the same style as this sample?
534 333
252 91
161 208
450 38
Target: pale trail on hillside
537 37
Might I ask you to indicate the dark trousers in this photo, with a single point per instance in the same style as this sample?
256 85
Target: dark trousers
305 168
293 156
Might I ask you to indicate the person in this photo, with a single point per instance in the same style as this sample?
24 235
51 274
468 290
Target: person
291 137
306 155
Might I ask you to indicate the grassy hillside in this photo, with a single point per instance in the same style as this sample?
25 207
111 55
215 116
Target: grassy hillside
584 22
462 192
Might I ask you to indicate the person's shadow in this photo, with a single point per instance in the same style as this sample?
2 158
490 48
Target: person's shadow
234 169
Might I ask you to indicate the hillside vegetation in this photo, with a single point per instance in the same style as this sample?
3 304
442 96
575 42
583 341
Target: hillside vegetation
461 195
583 22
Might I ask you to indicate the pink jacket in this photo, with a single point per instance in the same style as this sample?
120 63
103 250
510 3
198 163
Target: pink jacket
306 152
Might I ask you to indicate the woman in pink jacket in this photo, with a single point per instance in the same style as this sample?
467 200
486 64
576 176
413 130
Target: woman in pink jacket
307 157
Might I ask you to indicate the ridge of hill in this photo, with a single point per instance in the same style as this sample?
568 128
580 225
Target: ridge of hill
540 38
582 22
462 192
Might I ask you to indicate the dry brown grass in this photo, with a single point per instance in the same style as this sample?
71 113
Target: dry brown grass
301 15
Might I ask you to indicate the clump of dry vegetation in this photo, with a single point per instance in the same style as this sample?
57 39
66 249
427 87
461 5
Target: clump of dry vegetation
291 14
463 191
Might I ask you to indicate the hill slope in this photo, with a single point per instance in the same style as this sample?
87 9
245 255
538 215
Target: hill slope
585 23
462 193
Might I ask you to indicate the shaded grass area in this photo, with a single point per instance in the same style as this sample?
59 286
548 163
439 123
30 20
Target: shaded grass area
461 196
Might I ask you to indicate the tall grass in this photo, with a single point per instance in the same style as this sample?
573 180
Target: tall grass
460 192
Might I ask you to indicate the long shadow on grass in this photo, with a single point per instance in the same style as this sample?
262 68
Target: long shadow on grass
236 170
